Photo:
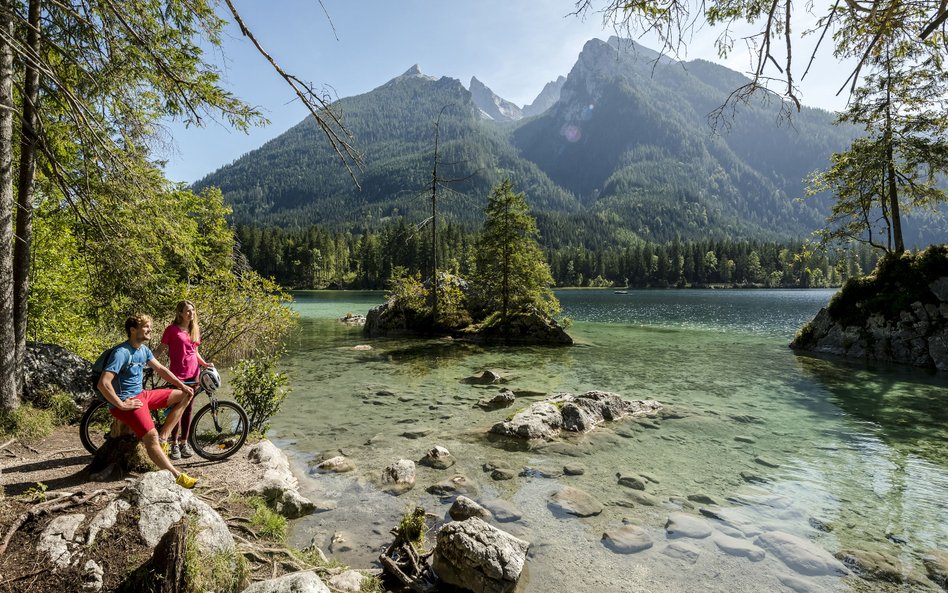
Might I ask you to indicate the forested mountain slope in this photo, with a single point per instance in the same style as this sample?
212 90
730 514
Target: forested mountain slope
626 153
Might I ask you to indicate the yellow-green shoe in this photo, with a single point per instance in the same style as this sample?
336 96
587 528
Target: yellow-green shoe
186 481
165 446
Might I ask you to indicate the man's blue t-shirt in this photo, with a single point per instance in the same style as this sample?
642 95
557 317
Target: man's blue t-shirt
128 363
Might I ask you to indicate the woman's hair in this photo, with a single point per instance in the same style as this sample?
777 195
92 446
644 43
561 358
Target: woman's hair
135 321
194 330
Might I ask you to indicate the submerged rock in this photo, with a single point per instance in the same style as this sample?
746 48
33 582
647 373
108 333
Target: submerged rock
574 413
684 525
487 377
574 501
800 555
627 539
502 400
399 477
936 563
877 565
479 557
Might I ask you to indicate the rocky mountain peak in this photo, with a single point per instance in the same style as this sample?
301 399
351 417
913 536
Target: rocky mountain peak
490 105
546 99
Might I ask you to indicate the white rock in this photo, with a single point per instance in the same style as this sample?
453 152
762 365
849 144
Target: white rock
106 518
682 551
297 582
800 555
738 547
348 582
684 525
479 557
92 574
58 537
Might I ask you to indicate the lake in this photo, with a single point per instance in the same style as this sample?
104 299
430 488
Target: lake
842 455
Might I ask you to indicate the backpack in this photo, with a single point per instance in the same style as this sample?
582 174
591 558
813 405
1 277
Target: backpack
98 367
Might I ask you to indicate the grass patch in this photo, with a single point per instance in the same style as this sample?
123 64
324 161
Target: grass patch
226 572
27 423
267 522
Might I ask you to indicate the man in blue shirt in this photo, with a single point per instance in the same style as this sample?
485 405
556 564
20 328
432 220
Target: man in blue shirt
121 385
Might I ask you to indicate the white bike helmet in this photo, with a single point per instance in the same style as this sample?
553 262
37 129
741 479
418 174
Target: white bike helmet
210 379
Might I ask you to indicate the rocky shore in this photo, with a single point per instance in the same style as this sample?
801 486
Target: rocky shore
898 314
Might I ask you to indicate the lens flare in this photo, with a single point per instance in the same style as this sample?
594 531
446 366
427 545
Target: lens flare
572 133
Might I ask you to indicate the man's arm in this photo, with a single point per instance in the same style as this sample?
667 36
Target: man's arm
168 376
108 392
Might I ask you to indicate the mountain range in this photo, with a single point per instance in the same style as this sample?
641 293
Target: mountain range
618 150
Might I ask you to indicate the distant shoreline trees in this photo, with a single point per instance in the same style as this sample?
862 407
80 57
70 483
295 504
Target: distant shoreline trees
318 258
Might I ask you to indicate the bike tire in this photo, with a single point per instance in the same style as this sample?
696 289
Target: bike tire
218 434
95 426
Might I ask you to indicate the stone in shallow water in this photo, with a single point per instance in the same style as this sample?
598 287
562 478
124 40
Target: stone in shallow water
936 563
501 474
766 462
701 499
744 439
738 547
627 539
643 498
503 511
800 555
574 470
465 508
684 525
438 457
682 551
633 482
796 583
876 565
574 501
457 484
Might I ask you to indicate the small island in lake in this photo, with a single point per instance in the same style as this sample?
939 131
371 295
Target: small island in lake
899 313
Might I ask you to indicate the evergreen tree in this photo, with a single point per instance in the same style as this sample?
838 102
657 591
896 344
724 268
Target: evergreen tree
512 273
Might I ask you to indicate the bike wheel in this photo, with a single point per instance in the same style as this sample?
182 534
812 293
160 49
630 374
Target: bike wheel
95 426
218 430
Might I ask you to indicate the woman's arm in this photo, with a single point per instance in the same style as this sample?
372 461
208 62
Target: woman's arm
201 361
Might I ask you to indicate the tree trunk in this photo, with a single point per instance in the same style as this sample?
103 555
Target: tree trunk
24 211
893 189
9 398
168 561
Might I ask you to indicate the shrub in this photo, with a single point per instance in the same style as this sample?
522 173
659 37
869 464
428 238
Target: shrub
260 389
27 423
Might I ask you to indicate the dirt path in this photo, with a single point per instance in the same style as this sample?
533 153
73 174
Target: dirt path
59 462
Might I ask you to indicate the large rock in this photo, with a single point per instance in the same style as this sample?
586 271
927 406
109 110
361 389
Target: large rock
278 486
685 525
530 327
877 565
897 314
574 413
479 557
799 554
48 367
158 503
465 508
297 582
399 477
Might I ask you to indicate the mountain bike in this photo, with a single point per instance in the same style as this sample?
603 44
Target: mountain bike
218 429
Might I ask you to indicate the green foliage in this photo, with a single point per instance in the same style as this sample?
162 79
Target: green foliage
512 274
59 404
26 423
408 291
412 527
260 389
896 283
226 572
267 522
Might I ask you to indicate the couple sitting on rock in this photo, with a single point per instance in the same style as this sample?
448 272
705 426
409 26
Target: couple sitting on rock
122 387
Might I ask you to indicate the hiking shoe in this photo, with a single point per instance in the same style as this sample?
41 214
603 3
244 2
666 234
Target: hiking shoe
185 449
175 452
165 446
186 481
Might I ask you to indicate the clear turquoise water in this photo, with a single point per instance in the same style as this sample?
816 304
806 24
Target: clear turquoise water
862 449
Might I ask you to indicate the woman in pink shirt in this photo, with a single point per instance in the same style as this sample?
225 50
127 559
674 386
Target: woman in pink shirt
181 339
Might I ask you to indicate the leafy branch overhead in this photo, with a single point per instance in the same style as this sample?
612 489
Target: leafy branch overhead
855 28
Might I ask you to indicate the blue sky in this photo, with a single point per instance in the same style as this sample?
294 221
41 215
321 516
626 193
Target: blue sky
513 46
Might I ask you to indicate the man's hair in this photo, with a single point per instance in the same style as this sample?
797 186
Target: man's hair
136 320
